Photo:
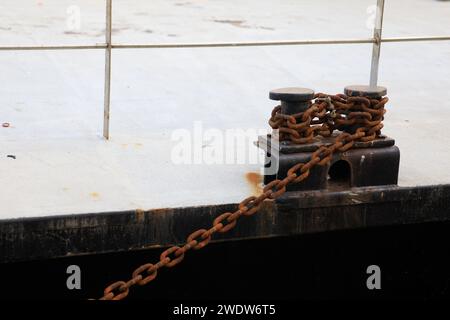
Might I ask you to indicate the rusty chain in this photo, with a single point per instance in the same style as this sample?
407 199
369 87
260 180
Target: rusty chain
330 112
360 119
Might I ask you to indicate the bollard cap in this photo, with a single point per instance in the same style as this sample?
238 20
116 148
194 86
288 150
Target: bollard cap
292 94
367 91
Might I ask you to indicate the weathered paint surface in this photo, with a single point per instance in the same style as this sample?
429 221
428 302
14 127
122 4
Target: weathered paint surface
295 213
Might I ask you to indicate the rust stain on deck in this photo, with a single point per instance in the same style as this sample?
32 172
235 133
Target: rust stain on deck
94 195
255 181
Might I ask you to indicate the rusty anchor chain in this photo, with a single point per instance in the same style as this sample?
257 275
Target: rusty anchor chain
330 112
360 118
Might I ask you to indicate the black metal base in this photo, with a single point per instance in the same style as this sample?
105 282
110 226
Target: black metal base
372 163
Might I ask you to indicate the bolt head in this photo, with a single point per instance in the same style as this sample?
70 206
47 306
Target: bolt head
292 94
366 91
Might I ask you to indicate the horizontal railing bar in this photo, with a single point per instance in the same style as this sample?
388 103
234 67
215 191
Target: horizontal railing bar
56 47
240 44
411 39
225 44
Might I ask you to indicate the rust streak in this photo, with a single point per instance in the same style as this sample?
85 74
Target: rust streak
140 214
255 181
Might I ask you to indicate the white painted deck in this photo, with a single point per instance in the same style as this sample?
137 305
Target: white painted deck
53 100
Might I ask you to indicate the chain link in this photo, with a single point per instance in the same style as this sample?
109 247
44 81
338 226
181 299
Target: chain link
359 118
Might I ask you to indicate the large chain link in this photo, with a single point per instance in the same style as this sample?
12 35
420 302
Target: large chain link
361 116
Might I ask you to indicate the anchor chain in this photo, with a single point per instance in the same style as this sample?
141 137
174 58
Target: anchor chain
359 119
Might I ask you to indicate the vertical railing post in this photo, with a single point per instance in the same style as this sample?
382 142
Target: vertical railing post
377 43
107 98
